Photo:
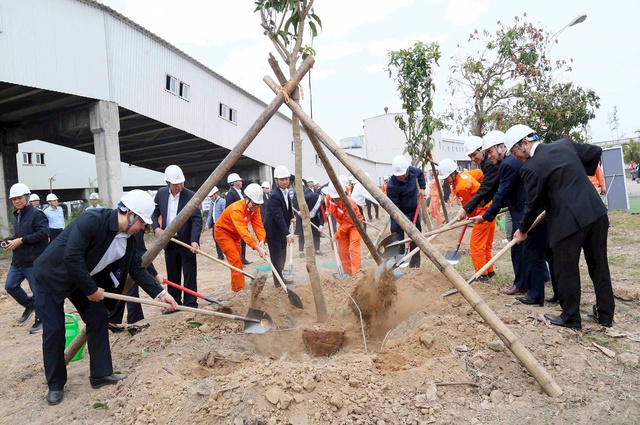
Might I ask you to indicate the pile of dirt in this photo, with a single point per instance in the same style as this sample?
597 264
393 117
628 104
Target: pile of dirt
416 358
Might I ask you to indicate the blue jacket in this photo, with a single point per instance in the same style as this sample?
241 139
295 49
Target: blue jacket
190 231
278 216
215 209
404 194
510 191
32 225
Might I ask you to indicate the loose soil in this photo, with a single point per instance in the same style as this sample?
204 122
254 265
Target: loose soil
425 359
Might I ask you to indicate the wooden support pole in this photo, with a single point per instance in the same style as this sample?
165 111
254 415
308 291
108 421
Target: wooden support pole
232 157
510 340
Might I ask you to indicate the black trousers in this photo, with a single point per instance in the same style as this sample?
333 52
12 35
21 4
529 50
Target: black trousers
314 233
93 314
278 253
134 310
361 209
53 233
533 263
376 207
566 257
181 261
415 260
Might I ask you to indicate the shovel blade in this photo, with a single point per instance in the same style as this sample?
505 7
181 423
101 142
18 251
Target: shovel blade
294 299
382 246
262 322
389 265
453 257
340 276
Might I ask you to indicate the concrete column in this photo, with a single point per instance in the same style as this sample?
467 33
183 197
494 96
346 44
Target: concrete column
265 173
104 120
8 176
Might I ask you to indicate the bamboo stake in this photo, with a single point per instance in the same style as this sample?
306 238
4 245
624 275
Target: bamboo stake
232 157
510 340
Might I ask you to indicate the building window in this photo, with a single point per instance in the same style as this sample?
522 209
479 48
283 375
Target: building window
227 113
293 148
26 158
185 91
318 162
38 158
172 84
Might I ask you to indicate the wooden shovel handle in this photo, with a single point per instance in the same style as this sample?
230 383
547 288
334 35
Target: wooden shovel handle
211 257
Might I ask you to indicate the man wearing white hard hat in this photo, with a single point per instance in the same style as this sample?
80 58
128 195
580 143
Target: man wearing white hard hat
266 192
80 265
403 189
234 195
556 178
277 220
216 207
34 200
93 201
179 261
31 233
55 215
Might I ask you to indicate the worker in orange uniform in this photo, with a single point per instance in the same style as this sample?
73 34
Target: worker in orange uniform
385 181
347 235
464 186
233 226
434 201
598 181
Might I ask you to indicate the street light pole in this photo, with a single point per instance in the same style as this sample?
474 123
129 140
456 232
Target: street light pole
578 20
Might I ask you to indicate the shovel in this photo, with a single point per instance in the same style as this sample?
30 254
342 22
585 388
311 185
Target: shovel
341 275
433 232
453 257
294 299
289 271
392 239
255 322
493 259
197 294
211 257
392 265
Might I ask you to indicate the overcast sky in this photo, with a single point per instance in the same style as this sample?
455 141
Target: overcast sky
349 83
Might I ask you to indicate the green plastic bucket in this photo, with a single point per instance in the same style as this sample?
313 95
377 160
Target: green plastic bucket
71 330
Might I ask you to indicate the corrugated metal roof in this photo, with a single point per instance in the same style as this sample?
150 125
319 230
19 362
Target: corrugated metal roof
173 48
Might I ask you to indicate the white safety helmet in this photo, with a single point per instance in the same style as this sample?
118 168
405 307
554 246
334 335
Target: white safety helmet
174 175
492 138
254 193
281 172
233 177
94 196
344 181
446 167
52 197
213 191
140 203
332 191
266 185
472 144
324 190
18 189
34 197
352 179
399 165
385 178
310 179
515 134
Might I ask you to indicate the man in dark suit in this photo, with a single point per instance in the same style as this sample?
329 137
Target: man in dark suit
556 178
233 195
170 200
80 264
314 202
276 221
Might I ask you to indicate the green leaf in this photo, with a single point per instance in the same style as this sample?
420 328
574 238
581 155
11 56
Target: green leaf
99 406
195 324
145 352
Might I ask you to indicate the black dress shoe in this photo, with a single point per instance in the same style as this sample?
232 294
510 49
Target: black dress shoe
491 275
107 380
529 301
27 313
287 281
54 397
246 262
553 300
221 257
559 321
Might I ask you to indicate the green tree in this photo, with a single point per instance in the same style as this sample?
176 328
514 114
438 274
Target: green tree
414 76
631 152
285 22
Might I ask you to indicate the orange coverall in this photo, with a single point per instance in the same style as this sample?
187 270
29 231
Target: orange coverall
347 235
598 180
384 188
233 226
434 203
481 243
